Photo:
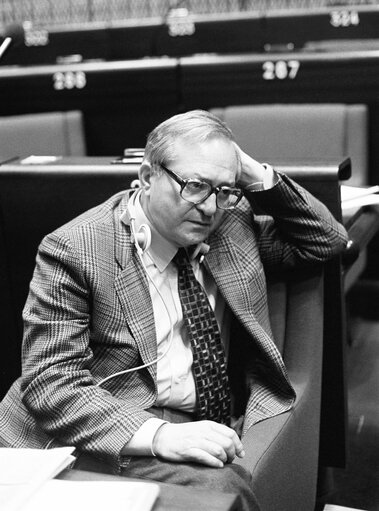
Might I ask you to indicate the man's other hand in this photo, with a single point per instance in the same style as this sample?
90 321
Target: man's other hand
205 442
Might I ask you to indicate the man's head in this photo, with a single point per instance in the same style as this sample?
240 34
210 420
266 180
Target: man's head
192 146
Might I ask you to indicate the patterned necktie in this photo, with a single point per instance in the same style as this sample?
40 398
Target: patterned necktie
209 361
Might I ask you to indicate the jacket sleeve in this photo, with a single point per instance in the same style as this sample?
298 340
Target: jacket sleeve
292 226
58 387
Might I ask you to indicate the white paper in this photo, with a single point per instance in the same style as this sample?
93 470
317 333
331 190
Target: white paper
24 471
39 159
62 495
27 484
353 192
333 507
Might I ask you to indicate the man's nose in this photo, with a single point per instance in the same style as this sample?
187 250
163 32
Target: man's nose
209 205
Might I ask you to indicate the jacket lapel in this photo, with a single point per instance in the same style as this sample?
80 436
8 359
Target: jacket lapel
132 288
240 277
233 271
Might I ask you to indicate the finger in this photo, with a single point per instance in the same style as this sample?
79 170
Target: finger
210 445
198 455
226 444
232 435
216 448
225 437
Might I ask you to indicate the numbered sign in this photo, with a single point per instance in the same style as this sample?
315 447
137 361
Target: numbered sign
280 69
344 18
63 80
36 37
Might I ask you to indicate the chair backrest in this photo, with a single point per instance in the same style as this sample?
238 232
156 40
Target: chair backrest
50 133
33 202
294 133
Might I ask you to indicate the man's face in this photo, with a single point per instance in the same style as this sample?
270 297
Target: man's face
179 221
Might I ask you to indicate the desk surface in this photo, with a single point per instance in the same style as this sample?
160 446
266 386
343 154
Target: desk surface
171 497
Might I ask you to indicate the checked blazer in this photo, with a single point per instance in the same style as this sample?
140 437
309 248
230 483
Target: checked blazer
89 314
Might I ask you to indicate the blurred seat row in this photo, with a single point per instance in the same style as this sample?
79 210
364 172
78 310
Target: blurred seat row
291 133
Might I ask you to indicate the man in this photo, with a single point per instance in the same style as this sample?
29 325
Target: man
110 350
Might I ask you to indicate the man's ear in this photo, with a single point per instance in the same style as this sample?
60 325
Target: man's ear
144 175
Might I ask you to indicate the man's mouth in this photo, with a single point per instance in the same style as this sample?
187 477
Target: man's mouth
202 224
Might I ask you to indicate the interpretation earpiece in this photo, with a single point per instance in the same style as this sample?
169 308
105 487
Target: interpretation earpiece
143 237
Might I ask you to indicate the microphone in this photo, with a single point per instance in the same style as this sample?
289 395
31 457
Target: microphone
13 34
201 250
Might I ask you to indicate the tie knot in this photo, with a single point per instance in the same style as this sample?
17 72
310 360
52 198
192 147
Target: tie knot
181 258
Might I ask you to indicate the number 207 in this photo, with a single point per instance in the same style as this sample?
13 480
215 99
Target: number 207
280 70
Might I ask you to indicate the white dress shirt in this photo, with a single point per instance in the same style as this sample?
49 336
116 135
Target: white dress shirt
176 386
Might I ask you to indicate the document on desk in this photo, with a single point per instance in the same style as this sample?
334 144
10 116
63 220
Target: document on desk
27 484
357 192
355 197
24 471
62 495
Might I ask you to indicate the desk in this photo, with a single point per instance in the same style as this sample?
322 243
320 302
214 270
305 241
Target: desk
171 497
123 100
224 32
362 226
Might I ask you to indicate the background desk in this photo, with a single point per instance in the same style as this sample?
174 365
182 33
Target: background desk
179 35
123 100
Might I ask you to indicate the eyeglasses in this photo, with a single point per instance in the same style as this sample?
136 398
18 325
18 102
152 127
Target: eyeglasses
196 191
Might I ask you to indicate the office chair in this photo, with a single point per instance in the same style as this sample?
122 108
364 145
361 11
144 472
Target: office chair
50 133
305 133
282 452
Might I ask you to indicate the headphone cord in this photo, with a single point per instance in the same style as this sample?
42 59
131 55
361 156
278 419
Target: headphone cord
170 338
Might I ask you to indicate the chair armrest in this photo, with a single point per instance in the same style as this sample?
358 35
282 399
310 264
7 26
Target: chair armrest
282 452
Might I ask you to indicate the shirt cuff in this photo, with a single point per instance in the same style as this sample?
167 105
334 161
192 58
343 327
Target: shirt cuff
269 180
141 443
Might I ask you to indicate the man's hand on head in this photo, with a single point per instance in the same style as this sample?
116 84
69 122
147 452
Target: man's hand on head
253 172
205 442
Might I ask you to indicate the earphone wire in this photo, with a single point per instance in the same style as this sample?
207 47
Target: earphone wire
140 253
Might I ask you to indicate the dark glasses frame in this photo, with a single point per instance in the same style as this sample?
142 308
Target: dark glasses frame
212 189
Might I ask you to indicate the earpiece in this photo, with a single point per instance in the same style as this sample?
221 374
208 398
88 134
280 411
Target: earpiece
142 237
